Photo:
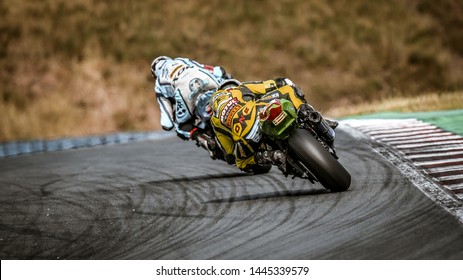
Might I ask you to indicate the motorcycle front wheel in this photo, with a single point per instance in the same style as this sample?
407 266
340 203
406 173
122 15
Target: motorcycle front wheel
327 170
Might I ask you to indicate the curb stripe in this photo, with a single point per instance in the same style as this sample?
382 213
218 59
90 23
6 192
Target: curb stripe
417 133
433 150
414 136
436 156
438 153
426 140
445 171
393 131
432 144
439 163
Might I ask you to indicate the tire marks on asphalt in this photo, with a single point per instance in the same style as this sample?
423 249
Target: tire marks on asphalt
167 200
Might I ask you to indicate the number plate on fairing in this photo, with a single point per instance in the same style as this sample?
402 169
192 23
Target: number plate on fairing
279 118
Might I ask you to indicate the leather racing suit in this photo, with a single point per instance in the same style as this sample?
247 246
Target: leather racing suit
178 82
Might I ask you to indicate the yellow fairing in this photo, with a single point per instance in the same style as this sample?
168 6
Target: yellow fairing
225 141
288 92
261 87
243 120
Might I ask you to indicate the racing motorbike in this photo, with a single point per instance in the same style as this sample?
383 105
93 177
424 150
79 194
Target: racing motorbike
308 153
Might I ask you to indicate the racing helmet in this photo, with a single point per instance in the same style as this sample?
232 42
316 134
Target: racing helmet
229 83
156 65
222 96
218 99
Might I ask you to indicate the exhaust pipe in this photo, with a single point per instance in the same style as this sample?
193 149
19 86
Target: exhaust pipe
315 117
324 130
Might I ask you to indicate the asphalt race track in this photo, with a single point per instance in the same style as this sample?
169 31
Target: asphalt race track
167 200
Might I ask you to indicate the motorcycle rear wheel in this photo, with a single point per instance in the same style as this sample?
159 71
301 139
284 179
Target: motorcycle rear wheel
327 170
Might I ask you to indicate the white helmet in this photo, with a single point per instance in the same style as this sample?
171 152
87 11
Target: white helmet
155 65
230 83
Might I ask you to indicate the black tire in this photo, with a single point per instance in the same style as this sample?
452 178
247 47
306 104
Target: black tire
328 171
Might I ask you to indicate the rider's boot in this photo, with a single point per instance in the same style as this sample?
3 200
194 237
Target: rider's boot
203 140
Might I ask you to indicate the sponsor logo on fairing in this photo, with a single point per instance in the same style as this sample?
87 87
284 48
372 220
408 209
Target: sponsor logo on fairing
228 111
279 118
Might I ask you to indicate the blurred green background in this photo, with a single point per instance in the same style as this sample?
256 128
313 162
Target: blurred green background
81 67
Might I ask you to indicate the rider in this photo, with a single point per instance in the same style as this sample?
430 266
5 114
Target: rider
236 125
178 83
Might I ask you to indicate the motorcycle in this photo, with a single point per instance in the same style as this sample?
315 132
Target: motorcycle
308 154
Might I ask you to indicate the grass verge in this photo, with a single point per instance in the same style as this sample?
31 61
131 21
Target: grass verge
442 110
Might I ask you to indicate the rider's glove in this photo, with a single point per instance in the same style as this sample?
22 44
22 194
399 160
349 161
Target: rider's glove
280 82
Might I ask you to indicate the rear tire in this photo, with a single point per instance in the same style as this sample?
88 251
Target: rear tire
328 171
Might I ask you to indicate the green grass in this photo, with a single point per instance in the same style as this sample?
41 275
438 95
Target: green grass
450 120
66 60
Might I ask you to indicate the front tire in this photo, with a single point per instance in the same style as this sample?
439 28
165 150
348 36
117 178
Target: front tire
328 171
